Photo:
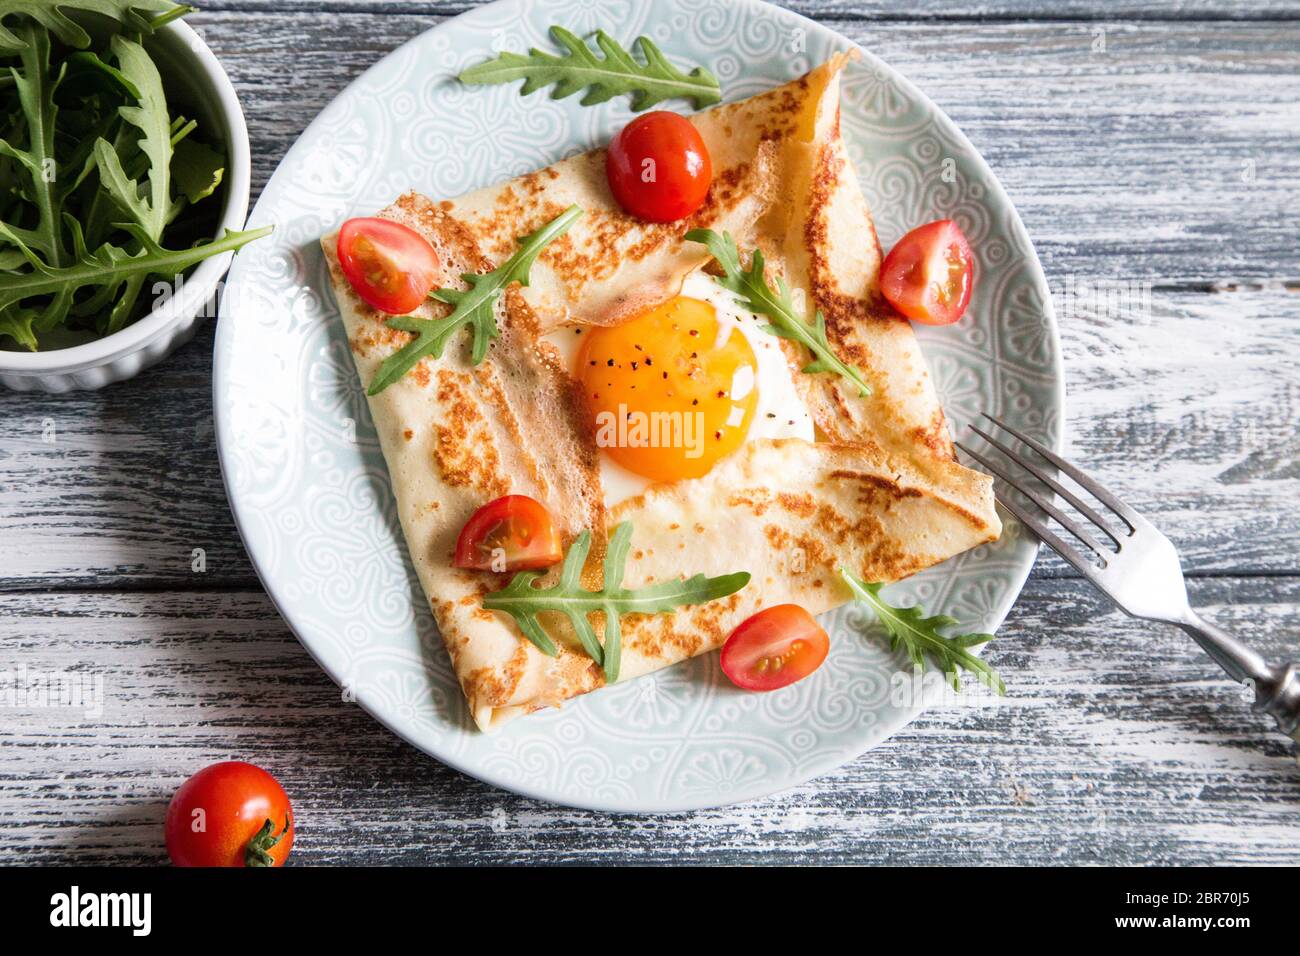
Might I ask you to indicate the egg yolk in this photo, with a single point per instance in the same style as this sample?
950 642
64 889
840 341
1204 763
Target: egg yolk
666 394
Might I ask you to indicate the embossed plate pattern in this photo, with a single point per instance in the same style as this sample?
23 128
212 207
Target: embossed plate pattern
310 492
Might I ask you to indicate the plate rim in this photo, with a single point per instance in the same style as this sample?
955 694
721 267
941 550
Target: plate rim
764 789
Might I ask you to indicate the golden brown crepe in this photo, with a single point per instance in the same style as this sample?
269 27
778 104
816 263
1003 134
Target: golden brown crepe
879 493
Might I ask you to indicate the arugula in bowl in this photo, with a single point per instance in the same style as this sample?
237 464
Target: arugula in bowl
104 183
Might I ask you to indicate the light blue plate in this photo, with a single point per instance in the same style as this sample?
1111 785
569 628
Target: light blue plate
310 492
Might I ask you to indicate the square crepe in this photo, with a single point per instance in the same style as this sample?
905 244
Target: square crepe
824 477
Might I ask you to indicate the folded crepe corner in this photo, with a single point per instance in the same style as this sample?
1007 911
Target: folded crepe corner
879 493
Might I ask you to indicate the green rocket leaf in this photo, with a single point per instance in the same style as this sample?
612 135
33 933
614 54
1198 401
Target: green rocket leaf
111 266
617 73
36 82
472 306
909 628
141 16
778 305
91 177
523 601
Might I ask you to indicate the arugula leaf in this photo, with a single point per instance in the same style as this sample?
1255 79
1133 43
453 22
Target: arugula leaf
150 207
758 297
472 307
110 266
150 117
197 170
102 205
523 602
91 179
617 73
85 67
142 16
36 84
18 324
920 636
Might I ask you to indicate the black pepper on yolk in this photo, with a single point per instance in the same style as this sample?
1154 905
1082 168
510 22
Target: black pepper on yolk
666 394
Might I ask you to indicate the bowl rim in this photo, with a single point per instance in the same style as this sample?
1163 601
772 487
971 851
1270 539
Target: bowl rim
198 288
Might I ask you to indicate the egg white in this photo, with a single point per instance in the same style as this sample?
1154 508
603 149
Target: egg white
780 412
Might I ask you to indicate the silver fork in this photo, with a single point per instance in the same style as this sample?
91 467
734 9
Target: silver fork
1141 574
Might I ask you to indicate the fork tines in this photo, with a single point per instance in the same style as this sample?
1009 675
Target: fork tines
1036 522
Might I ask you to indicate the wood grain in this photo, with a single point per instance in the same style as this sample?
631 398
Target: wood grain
1103 153
1120 743
1199 435
938 10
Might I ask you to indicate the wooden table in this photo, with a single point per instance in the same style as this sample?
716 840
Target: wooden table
1140 145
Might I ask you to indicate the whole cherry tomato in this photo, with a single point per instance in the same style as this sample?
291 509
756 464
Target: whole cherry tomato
659 168
230 814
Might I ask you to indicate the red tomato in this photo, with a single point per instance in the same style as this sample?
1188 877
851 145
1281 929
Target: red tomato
659 167
776 647
514 533
389 265
230 814
929 274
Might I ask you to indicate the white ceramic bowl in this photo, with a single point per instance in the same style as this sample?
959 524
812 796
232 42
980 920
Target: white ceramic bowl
192 70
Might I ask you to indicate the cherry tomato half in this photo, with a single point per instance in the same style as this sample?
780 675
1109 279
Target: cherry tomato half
776 647
390 266
514 533
658 167
929 274
230 814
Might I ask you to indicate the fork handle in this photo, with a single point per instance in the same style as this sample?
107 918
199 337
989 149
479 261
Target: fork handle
1277 689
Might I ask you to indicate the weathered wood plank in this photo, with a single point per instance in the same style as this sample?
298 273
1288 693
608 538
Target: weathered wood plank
1172 155
1188 410
868 9
164 498
1120 743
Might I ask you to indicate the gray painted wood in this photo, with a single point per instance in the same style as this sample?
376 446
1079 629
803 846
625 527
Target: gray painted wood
122 498
1103 153
933 10
1120 742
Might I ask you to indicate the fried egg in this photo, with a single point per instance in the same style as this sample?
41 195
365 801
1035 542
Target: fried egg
675 389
